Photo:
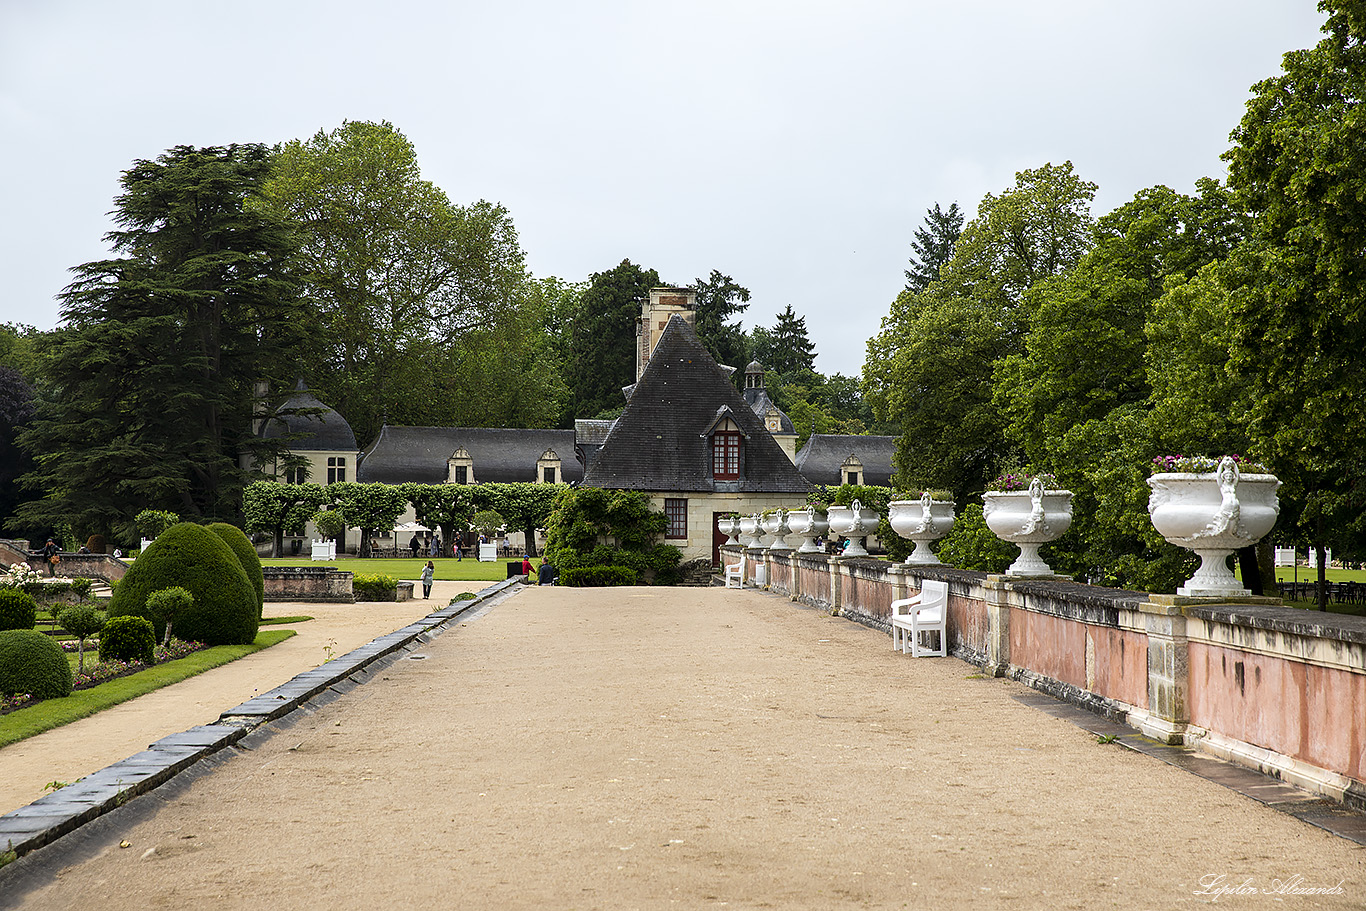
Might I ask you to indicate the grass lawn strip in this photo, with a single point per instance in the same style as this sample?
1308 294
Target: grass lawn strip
53 713
447 569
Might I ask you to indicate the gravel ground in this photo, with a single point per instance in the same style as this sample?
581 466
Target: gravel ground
661 748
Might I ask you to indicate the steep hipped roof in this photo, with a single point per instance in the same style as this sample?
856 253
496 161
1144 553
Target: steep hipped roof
821 458
322 430
500 455
659 441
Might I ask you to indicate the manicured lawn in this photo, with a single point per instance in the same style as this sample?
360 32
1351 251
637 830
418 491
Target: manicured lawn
447 568
53 713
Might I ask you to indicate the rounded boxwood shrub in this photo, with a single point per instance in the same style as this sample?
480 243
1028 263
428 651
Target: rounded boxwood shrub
225 609
598 576
127 638
241 545
18 609
33 663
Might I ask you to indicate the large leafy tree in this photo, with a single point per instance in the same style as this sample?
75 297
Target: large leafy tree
929 370
602 348
1298 164
933 246
271 507
149 381
398 273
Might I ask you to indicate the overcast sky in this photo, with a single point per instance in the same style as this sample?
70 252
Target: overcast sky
793 145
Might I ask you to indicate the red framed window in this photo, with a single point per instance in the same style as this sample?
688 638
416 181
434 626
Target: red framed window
676 511
725 455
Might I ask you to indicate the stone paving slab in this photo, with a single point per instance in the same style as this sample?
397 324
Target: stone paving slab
62 811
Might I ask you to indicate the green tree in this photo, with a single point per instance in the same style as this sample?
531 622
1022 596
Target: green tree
785 350
933 246
603 344
17 404
398 273
444 506
275 508
1298 165
369 507
151 373
719 300
524 506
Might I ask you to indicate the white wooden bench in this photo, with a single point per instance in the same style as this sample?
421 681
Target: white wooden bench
926 613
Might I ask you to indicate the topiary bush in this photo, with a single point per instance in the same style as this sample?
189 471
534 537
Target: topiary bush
598 576
241 545
167 604
33 663
225 608
18 610
368 587
128 638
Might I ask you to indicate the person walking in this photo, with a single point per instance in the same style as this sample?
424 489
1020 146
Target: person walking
50 552
428 572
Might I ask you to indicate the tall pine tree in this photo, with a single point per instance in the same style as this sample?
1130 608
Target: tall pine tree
933 246
152 373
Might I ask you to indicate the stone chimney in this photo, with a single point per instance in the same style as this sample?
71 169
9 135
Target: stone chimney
662 305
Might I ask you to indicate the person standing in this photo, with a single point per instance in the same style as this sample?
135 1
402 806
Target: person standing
50 552
428 572
526 567
415 545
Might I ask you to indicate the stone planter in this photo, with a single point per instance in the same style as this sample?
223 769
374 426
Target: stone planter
808 525
854 522
1214 515
1028 519
749 531
730 527
776 528
922 521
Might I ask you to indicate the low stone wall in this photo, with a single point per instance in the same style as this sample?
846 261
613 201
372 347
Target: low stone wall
1274 688
309 583
76 566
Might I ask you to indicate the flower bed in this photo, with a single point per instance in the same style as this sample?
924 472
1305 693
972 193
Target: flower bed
103 671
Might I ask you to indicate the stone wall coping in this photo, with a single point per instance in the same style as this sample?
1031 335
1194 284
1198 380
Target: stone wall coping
282 571
1290 620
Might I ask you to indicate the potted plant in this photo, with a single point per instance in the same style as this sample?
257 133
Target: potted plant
923 520
1027 509
854 522
1212 507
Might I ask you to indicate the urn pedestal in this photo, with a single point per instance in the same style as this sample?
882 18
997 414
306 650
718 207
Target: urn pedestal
1028 519
749 531
922 521
730 527
854 522
775 527
1213 515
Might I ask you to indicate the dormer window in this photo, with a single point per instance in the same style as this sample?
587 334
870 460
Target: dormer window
851 472
548 468
460 467
725 455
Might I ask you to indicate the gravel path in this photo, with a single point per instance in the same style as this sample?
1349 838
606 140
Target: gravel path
683 748
88 745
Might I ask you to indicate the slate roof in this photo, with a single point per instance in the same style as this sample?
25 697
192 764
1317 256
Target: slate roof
761 404
820 459
500 455
325 431
659 442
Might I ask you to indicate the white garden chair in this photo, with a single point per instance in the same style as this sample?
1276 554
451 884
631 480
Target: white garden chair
926 613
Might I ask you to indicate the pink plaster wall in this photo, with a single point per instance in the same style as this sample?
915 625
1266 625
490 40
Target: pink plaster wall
871 597
1048 645
1121 665
1274 703
967 623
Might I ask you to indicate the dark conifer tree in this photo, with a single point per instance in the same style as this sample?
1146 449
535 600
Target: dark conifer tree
933 246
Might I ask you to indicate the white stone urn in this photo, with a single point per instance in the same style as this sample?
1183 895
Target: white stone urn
1028 518
730 527
922 521
808 525
1213 514
854 522
749 531
775 527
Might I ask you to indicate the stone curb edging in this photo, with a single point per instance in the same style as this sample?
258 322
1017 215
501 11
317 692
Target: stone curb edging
54 815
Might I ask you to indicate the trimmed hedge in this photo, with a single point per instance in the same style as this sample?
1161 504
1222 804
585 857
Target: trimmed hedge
18 610
128 639
368 587
235 538
598 576
225 610
33 663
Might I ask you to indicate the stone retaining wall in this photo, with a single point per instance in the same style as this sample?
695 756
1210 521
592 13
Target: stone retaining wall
1274 688
309 583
